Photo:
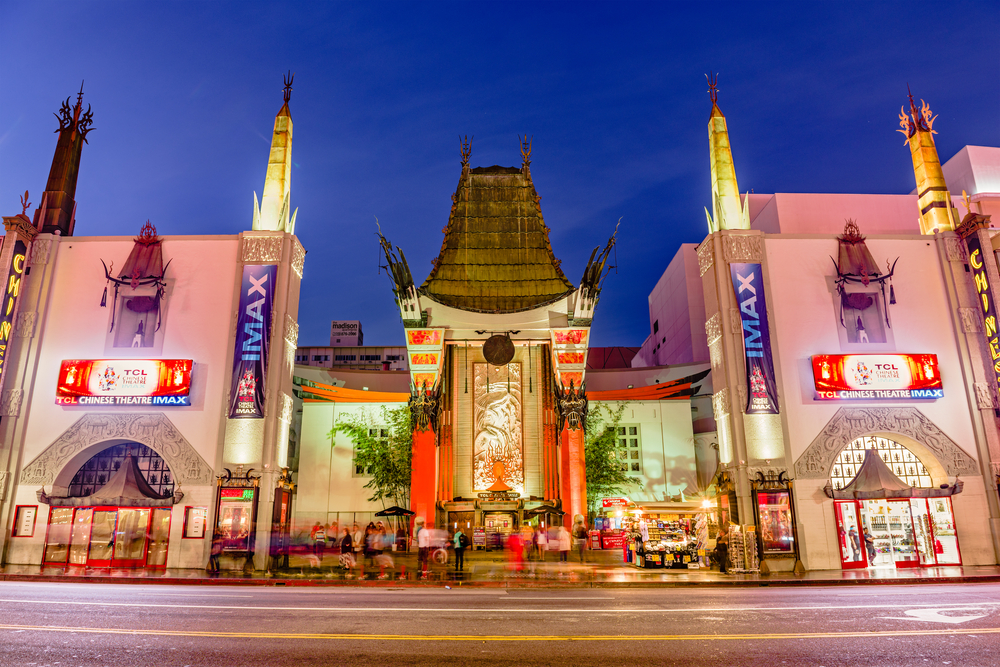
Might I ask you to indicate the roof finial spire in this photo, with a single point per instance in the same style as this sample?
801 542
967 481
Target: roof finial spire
25 203
713 86
525 148
288 78
466 148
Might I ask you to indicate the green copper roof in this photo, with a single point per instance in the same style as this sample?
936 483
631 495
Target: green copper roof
496 256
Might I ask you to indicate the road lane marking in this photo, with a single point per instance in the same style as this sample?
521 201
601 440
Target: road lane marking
498 638
936 616
491 610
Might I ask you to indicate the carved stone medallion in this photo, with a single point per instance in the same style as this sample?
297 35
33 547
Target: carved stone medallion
743 247
972 322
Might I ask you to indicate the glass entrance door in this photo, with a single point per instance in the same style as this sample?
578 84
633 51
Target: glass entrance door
102 537
130 538
159 533
80 541
852 546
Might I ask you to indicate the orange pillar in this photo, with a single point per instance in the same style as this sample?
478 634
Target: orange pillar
565 489
577 473
422 477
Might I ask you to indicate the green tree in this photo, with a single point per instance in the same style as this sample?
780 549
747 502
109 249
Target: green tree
605 476
387 459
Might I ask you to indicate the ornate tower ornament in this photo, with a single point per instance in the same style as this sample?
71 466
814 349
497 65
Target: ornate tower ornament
288 79
465 146
423 409
525 149
727 210
937 214
572 406
713 86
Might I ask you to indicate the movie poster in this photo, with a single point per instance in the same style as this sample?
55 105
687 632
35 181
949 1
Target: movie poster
762 393
253 338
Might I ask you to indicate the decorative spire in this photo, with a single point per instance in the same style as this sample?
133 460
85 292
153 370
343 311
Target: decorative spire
274 212
726 207
465 145
56 213
937 214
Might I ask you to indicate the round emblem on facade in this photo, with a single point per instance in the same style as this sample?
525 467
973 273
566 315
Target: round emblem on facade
498 350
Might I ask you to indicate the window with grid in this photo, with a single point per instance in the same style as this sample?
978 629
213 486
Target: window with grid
900 460
628 448
96 472
382 435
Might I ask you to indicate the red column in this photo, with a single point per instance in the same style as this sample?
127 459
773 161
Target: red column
565 488
422 477
577 473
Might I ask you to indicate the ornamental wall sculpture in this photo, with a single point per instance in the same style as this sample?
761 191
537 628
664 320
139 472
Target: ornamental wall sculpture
498 444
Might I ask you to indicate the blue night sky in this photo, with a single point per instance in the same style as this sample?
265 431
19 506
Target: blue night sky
614 94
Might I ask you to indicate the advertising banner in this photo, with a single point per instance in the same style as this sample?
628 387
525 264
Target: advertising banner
11 291
876 376
614 502
253 338
762 393
987 308
160 382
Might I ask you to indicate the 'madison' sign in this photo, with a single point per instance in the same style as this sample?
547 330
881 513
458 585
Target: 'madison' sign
876 376
159 382
762 393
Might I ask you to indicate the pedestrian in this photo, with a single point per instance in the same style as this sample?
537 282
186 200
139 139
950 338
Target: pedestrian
358 543
347 550
461 542
542 543
423 548
319 543
722 552
515 551
563 540
869 546
852 538
370 534
580 537
213 558
401 539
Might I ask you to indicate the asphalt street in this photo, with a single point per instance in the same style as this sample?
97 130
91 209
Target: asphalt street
68 624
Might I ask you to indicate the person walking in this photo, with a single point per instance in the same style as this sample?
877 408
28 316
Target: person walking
580 538
370 534
852 538
563 540
358 543
461 543
542 543
423 548
347 550
213 558
319 544
722 552
869 546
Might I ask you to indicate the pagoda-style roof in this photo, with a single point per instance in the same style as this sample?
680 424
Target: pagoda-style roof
496 256
875 480
126 488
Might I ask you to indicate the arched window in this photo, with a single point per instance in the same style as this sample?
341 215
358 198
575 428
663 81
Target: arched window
900 460
98 470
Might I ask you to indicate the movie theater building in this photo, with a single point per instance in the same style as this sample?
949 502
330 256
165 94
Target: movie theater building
143 378
852 340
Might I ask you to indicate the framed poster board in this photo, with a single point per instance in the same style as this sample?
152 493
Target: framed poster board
236 519
195 521
774 516
24 521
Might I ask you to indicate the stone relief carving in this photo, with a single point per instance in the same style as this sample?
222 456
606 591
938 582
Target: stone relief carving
713 328
39 253
706 256
971 320
741 389
298 257
262 248
955 249
720 403
4 478
735 322
742 247
151 429
984 396
10 402
24 324
291 330
848 424
286 408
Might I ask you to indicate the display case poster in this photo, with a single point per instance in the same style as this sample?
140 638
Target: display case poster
775 512
24 525
253 338
762 394
236 514
196 519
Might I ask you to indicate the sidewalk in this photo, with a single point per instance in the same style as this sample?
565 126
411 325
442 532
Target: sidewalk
491 569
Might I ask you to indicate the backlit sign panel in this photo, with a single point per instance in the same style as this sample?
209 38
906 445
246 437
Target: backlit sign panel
876 376
11 291
984 300
160 382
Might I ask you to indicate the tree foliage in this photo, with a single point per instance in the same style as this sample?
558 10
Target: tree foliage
388 460
605 476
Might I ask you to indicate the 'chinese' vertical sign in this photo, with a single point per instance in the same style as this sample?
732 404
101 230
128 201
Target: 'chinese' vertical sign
11 291
762 394
253 337
986 305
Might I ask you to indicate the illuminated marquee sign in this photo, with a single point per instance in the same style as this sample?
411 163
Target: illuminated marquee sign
986 305
11 291
253 342
160 382
876 376
619 503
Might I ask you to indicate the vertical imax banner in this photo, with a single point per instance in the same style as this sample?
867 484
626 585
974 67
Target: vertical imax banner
762 395
986 306
253 337
11 291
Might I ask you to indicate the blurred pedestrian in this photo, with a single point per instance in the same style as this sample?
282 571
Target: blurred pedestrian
357 543
869 546
423 548
515 551
563 540
319 543
541 543
461 543
213 558
347 550
722 552
580 538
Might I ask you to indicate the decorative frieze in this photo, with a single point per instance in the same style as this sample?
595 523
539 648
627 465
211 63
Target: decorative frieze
720 403
262 248
849 424
736 322
742 247
291 330
298 257
24 324
955 249
10 402
713 328
984 396
741 389
706 256
286 408
39 253
971 320
4 479
96 430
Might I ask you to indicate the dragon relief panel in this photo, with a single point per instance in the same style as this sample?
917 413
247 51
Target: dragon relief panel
498 445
